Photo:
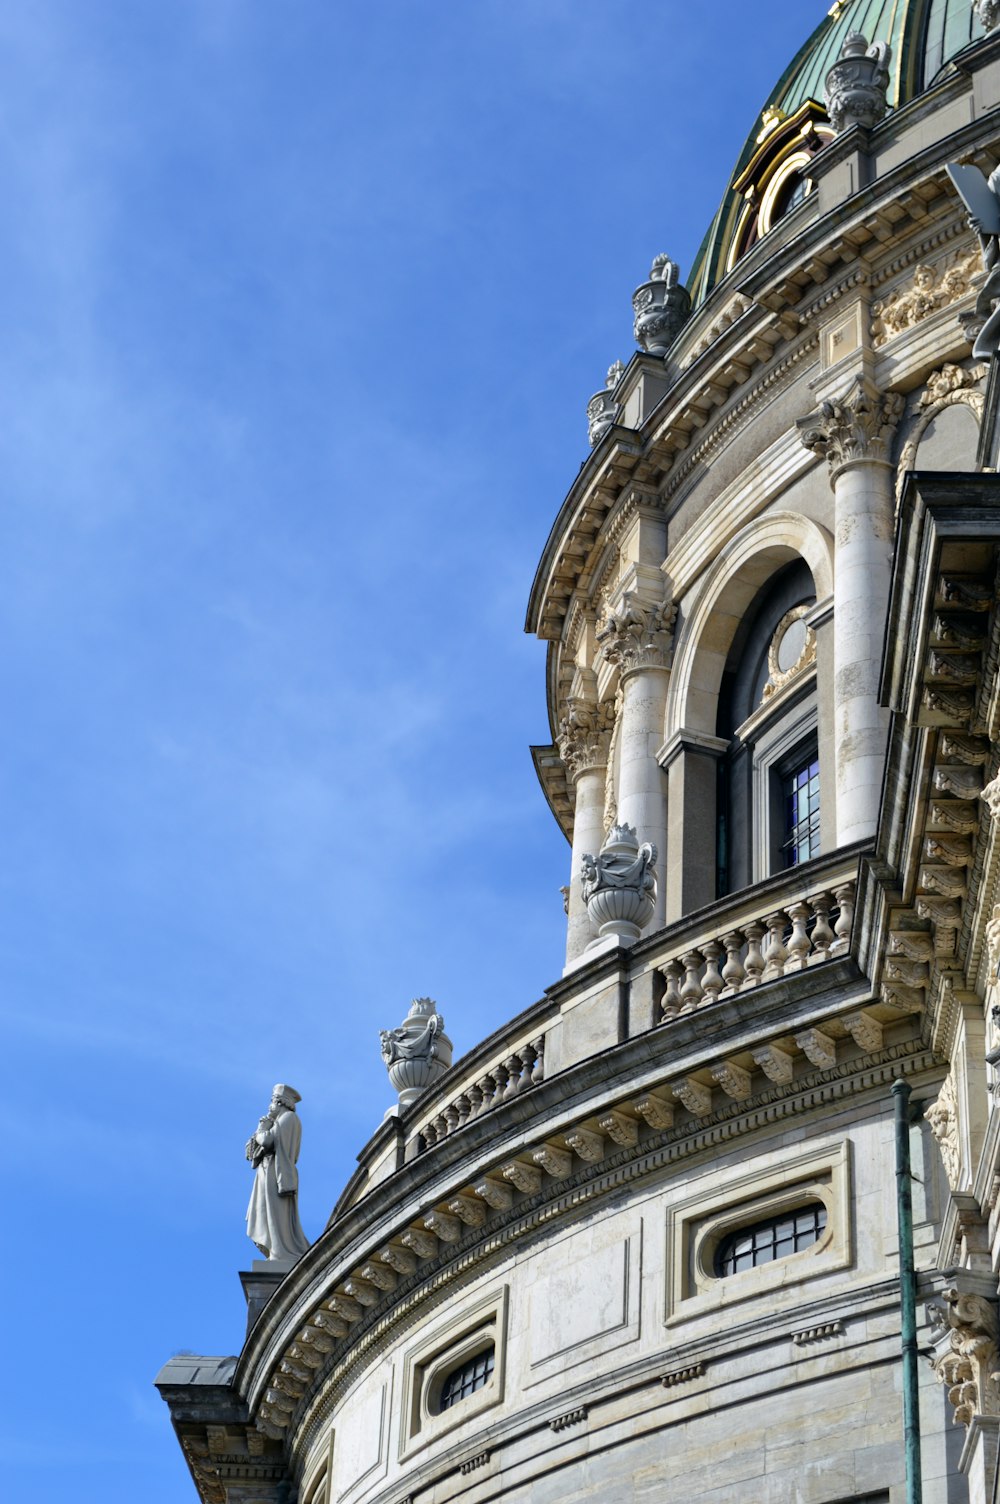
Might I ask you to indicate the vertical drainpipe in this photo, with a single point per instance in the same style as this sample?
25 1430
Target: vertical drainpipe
907 1293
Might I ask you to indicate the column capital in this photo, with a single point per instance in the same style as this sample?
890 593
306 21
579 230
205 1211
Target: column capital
854 429
635 634
585 736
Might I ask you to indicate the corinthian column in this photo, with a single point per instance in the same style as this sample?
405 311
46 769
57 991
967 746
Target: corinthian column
584 739
853 435
635 636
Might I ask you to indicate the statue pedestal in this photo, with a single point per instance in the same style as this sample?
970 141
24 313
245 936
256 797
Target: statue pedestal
260 1282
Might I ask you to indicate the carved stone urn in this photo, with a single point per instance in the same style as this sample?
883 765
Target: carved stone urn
418 1052
660 307
619 885
602 409
856 84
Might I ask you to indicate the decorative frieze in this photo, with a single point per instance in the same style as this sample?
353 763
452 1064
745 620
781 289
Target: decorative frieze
929 289
470 1466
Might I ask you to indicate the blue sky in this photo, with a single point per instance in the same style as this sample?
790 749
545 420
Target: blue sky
302 305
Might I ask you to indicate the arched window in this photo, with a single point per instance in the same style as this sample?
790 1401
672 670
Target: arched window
769 785
776 1238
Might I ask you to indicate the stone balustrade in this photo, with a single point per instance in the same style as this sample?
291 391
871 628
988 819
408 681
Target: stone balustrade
803 931
516 1072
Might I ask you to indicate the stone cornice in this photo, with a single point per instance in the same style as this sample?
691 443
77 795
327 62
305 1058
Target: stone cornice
276 1332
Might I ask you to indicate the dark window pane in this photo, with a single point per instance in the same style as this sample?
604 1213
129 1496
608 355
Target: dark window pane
800 802
774 1239
469 1376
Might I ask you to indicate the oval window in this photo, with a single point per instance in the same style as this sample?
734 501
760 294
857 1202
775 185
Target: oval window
466 1378
776 1238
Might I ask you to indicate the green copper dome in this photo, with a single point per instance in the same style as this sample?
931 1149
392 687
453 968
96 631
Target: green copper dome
923 34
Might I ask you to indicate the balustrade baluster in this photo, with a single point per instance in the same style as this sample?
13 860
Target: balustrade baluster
671 1002
513 1067
822 934
733 972
691 991
526 1055
776 954
538 1069
799 944
844 897
711 982
753 960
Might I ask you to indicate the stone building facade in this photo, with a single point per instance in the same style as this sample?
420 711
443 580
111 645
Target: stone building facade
641 1243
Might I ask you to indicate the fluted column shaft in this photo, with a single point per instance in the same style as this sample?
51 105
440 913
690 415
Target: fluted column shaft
588 836
642 800
584 744
863 497
854 435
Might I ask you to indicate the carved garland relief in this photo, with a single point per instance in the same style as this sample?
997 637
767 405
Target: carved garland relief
929 289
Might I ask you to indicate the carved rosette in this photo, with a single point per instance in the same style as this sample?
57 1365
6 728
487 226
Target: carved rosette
942 1115
856 429
619 885
969 1364
635 634
856 84
585 736
660 307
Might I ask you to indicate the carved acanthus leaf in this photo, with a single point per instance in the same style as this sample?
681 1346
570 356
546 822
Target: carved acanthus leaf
942 1115
858 427
636 634
968 1366
585 736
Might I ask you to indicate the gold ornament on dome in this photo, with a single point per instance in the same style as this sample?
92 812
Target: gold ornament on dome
792 649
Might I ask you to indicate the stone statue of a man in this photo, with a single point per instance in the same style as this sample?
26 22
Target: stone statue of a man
273 1214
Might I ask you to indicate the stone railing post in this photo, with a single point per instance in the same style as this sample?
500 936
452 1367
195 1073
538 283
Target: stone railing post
584 739
854 436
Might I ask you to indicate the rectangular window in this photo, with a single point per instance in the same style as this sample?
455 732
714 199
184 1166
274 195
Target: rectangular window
800 806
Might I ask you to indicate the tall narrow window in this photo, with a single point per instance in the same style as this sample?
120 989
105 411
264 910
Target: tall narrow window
800 802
